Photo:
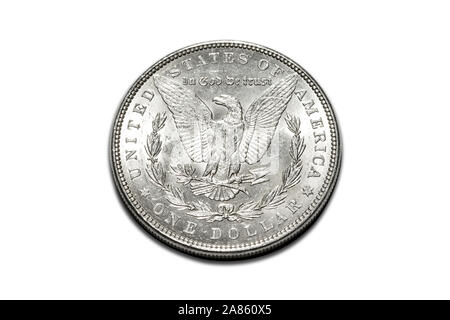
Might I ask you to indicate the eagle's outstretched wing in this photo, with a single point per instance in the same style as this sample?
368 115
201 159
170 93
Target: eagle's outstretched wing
192 117
261 119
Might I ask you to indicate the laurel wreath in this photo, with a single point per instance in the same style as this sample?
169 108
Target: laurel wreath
186 173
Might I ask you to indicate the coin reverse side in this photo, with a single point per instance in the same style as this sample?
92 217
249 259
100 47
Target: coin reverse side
225 150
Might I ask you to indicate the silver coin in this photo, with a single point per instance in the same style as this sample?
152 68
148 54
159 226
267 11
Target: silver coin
225 150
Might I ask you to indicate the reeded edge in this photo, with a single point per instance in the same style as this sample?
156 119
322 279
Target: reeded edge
246 253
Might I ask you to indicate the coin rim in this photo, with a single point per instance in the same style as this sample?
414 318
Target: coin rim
217 255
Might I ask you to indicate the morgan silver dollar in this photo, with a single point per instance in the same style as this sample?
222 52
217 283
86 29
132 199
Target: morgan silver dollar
225 150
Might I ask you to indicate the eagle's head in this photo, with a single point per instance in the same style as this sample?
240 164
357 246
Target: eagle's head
231 103
227 101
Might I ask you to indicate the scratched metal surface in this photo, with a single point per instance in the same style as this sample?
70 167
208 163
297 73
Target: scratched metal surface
225 150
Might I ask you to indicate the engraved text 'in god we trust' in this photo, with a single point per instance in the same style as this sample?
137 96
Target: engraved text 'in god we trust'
228 80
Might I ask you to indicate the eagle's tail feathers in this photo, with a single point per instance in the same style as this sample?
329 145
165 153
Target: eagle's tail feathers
214 192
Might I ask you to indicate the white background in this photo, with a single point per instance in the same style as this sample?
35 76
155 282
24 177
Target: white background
64 68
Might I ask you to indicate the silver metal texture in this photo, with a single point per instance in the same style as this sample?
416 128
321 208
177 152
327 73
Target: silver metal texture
225 150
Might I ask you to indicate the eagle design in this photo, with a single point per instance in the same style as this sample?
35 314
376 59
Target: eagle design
226 143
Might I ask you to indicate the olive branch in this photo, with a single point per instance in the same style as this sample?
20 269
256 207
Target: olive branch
186 173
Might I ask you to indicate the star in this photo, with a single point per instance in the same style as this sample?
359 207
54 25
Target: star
145 192
307 191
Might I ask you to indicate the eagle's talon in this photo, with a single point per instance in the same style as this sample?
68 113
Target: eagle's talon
235 179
